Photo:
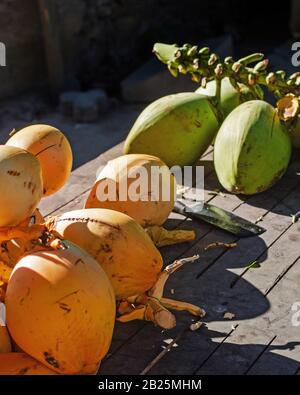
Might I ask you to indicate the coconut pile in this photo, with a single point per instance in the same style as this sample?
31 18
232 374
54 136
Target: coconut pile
64 280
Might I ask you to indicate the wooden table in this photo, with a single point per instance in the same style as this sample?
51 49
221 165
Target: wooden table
261 337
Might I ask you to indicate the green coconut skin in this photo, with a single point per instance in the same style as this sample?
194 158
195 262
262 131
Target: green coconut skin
176 128
230 97
252 149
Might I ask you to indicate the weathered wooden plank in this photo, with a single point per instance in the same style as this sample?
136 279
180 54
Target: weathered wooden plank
270 343
281 257
213 293
283 355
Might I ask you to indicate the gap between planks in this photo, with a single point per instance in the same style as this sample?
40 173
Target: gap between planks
277 202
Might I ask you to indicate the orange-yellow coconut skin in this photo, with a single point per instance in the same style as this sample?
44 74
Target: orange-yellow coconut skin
21 185
155 210
20 364
51 148
118 243
60 309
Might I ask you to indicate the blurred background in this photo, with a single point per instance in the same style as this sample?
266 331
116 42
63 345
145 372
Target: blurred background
56 50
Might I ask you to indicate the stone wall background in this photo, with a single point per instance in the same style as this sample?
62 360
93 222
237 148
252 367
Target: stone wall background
104 40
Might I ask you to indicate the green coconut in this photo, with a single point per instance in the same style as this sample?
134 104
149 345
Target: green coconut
252 149
230 97
176 128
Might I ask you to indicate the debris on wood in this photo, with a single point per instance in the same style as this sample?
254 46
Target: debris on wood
163 352
228 316
172 291
196 325
216 192
181 189
170 343
219 244
253 264
295 217
259 219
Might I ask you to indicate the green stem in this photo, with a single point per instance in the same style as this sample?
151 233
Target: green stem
218 99
204 64
218 89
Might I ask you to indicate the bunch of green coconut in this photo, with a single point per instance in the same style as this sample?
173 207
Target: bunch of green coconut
252 139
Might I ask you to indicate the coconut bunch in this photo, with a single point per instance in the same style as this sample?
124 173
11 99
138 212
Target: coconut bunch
253 140
59 303
62 279
34 163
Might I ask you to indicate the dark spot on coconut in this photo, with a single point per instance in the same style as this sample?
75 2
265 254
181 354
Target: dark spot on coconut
197 123
23 371
51 360
60 141
168 109
44 149
14 173
249 148
106 248
64 307
78 261
29 185
44 191
85 311
21 302
68 295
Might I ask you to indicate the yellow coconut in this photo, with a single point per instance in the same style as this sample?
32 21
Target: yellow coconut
19 364
22 186
127 184
61 309
52 149
130 259
118 243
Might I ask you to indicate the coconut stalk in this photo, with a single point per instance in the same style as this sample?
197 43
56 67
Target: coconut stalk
204 66
152 306
251 71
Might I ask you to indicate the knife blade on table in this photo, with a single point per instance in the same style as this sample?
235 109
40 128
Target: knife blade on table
218 217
